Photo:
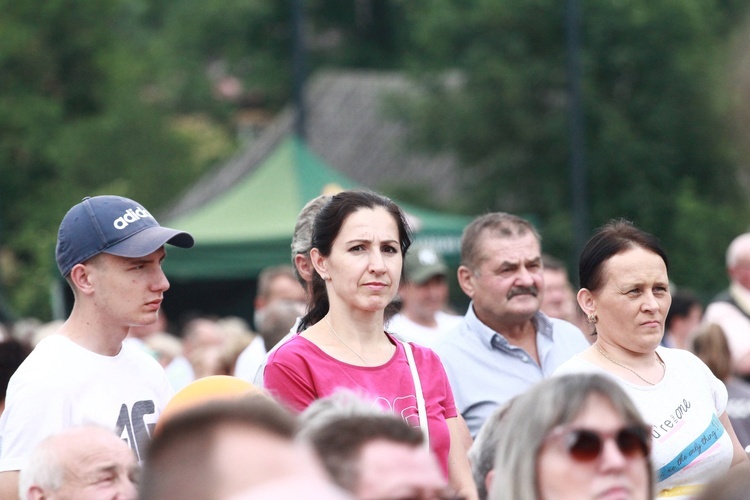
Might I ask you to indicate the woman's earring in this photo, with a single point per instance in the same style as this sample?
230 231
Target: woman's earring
592 318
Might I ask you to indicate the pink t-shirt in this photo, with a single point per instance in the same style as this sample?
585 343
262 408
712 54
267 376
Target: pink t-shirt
299 372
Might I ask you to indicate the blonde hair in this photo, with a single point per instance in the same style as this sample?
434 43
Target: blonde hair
533 414
710 344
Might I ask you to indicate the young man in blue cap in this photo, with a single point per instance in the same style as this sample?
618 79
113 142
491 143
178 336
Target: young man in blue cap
110 251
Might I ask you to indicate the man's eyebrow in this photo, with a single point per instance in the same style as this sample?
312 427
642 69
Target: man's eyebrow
507 263
105 469
147 258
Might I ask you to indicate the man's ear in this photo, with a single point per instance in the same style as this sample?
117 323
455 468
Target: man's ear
466 280
81 278
488 480
304 267
319 262
35 493
732 273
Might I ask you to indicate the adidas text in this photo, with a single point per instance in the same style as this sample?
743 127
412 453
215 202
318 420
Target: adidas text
131 216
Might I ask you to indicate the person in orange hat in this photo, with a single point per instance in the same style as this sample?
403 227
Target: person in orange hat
204 390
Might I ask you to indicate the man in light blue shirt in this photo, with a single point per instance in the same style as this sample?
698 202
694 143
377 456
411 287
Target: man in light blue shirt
505 344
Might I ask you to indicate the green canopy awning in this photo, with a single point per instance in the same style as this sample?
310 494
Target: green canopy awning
250 226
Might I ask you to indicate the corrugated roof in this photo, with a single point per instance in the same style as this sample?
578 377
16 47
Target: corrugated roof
348 127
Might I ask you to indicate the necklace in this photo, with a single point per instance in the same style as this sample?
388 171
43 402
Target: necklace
661 362
345 344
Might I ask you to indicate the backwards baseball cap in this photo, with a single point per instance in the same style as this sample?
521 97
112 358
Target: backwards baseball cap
113 225
423 263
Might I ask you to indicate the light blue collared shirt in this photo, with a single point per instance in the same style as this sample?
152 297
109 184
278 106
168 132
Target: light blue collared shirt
485 370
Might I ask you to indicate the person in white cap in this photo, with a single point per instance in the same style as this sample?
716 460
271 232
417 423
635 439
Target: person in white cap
110 250
423 318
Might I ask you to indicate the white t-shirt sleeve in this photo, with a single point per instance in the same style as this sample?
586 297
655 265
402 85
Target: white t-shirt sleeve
22 426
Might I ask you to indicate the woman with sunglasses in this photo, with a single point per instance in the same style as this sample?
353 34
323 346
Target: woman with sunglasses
625 296
575 437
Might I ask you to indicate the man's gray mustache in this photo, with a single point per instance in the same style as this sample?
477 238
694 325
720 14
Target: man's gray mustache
523 290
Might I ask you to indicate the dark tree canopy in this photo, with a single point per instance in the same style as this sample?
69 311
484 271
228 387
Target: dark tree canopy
141 97
657 135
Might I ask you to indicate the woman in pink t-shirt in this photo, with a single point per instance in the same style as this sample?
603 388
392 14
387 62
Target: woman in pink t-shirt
359 241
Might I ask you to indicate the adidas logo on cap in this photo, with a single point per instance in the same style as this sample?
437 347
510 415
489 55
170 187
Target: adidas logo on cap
130 216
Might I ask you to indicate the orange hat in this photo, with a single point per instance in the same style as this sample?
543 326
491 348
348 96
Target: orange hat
203 390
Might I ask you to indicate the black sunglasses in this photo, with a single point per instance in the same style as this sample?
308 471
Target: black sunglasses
586 445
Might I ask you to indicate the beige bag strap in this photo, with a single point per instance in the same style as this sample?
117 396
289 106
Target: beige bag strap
420 395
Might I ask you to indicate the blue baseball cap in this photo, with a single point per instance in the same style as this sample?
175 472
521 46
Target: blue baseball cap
113 225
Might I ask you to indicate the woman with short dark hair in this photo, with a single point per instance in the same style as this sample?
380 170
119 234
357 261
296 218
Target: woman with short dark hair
625 295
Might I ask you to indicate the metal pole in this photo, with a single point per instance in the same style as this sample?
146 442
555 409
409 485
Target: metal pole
579 194
298 68
6 315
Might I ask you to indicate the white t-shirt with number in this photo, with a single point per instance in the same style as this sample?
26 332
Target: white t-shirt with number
62 385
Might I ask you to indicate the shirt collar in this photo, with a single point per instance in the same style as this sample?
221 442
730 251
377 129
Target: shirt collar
741 295
486 334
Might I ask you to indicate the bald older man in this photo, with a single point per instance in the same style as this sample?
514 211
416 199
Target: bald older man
80 463
731 309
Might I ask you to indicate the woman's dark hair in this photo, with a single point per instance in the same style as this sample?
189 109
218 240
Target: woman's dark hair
12 354
613 238
326 228
683 302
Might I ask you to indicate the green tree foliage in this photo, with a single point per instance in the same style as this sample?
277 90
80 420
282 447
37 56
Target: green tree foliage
138 98
75 120
364 33
496 95
697 245
202 41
